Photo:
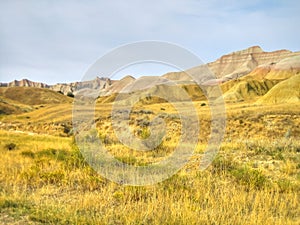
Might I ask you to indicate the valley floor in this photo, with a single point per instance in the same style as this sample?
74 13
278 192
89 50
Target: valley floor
254 179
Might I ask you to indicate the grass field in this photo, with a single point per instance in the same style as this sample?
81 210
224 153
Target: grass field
255 178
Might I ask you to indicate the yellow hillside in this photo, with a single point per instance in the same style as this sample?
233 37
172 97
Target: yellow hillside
8 106
287 91
246 89
33 96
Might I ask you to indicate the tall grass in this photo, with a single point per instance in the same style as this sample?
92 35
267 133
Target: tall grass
46 180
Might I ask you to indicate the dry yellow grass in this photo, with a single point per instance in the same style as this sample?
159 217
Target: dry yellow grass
37 95
253 180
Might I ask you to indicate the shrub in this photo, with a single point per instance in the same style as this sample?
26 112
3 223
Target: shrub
221 165
285 185
144 133
55 154
249 177
29 154
10 146
70 94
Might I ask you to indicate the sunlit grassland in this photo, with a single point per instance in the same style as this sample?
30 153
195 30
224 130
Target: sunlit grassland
254 179
44 179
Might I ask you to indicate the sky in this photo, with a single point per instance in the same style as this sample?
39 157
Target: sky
57 41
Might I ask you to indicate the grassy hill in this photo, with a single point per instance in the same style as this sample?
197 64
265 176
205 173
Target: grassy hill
16 100
8 106
246 89
33 96
287 91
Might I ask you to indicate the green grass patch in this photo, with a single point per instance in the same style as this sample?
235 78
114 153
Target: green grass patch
249 177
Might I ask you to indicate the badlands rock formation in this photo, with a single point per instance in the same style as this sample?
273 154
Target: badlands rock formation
236 64
281 70
243 75
240 63
97 83
24 83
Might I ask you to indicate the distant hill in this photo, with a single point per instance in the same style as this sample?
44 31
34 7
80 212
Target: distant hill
236 64
97 83
32 96
117 86
281 70
240 63
244 75
262 79
65 88
24 83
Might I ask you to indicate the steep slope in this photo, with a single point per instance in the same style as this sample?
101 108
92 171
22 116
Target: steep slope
236 63
243 62
239 64
261 80
282 70
287 91
117 86
232 65
246 89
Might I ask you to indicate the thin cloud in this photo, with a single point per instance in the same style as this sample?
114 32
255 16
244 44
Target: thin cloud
55 41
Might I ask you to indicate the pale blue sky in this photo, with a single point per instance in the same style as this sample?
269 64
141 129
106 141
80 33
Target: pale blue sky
56 41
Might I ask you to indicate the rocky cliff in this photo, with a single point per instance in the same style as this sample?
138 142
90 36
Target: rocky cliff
97 83
240 63
235 64
263 79
280 70
64 88
24 83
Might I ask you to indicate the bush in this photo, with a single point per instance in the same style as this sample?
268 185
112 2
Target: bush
10 146
67 129
285 185
29 154
70 94
249 177
222 165
56 154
